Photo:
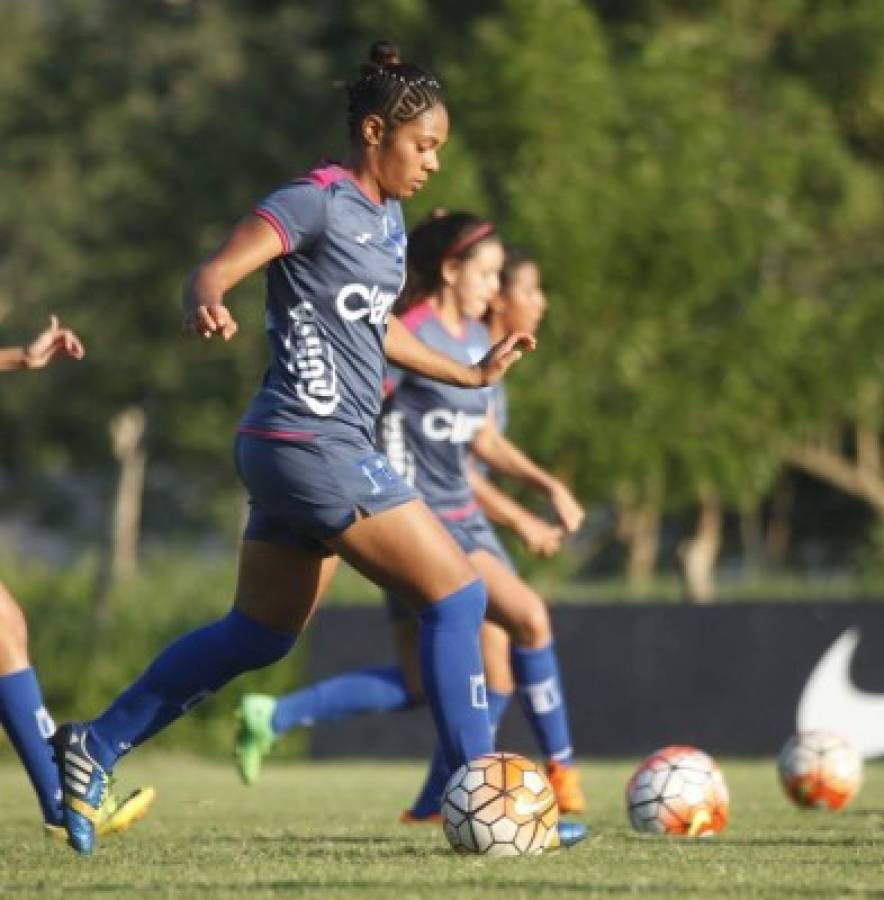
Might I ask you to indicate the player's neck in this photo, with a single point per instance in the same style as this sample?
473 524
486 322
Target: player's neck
448 312
360 172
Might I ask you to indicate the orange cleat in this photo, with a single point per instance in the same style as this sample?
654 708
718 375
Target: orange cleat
407 817
565 782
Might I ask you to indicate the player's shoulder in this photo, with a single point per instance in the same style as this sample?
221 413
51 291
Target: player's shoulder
317 184
419 318
328 177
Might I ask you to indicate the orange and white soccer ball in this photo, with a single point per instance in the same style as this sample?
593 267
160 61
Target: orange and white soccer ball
678 790
820 769
499 804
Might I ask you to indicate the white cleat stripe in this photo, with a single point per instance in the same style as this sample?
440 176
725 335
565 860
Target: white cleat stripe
71 772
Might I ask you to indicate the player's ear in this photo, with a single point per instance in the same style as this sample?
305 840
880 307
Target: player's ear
373 129
450 270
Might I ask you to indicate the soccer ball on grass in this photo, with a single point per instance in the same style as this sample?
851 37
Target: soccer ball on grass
499 804
820 769
678 790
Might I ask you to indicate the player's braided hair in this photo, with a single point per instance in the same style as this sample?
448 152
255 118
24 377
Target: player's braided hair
442 235
396 91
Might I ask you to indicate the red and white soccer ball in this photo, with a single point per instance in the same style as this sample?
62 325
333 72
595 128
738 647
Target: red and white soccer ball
678 790
820 769
500 804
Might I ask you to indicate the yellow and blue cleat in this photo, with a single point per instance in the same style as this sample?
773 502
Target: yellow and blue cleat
117 815
84 785
254 736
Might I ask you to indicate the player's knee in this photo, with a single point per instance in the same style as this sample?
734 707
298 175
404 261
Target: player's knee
13 630
255 644
533 628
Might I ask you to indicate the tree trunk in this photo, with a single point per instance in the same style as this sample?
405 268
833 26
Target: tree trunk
752 538
779 526
639 528
127 441
698 553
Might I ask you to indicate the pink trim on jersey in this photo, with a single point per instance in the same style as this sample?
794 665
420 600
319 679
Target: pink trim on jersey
278 435
329 173
458 515
417 315
389 387
276 225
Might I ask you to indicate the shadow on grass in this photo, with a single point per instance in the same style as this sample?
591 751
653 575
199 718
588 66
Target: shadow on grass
467 885
803 840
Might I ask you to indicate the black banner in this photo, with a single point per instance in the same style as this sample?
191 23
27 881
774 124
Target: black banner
727 678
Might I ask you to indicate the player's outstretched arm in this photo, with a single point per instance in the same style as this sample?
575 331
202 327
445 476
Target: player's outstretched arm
540 538
409 352
252 244
51 342
505 457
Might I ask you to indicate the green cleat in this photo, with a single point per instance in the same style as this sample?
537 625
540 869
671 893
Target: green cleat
255 735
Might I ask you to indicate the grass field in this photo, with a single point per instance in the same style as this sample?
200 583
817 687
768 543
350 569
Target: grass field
328 830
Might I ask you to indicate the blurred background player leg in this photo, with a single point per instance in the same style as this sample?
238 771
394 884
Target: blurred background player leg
29 726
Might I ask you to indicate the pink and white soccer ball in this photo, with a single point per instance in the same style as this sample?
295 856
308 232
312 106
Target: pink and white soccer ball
678 790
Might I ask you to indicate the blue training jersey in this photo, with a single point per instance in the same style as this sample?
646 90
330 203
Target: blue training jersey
427 427
329 294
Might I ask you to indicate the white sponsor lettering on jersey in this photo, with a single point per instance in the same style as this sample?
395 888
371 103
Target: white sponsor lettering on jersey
356 301
457 427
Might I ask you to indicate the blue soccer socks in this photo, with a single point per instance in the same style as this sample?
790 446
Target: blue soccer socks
429 800
378 689
186 672
453 674
29 727
539 686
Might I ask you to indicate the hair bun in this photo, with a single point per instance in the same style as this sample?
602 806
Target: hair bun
384 53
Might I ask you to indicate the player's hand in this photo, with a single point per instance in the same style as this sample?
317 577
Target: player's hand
210 321
571 514
497 361
49 343
540 538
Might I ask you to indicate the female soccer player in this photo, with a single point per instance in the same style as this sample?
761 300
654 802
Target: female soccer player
453 268
334 245
23 714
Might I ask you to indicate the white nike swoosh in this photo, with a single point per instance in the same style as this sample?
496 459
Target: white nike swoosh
830 701
521 808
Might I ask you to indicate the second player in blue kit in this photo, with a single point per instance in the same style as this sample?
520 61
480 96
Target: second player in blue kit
429 430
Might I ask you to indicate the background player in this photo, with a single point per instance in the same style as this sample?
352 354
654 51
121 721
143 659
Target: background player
23 713
454 262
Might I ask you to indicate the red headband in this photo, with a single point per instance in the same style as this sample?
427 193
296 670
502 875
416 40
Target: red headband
480 232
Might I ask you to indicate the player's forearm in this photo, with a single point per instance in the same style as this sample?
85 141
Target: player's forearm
205 286
498 506
13 358
504 457
403 349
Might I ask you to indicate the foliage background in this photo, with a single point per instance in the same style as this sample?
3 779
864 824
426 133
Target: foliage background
701 180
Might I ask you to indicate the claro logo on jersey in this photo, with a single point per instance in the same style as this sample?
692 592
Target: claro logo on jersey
311 361
356 301
456 427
